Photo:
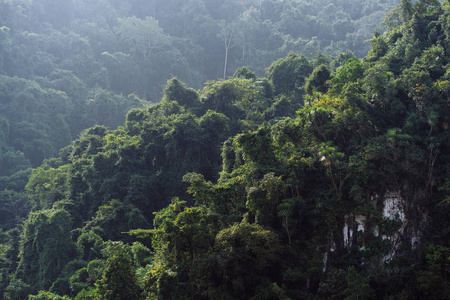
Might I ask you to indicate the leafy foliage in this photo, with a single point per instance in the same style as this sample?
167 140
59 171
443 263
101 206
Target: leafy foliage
45 248
327 178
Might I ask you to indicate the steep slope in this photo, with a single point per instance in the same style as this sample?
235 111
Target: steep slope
326 179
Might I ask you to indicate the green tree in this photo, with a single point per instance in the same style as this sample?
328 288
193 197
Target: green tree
317 81
177 91
46 187
13 207
245 72
45 248
118 280
47 296
357 286
17 289
289 74
247 258
350 71
333 285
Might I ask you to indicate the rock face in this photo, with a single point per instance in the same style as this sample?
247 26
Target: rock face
381 233
393 207
394 210
350 227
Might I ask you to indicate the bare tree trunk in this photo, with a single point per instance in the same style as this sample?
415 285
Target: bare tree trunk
287 230
243 50
228 45
226 61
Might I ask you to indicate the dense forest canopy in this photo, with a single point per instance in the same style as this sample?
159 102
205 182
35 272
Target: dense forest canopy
68 65
320 170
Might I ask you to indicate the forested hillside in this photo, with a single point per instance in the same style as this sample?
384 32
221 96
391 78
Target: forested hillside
67 65
324 177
